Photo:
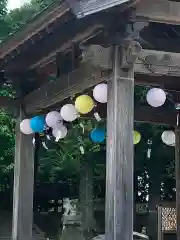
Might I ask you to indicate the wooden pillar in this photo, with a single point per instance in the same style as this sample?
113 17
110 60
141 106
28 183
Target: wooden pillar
36 166
160 232
177 167
23 185
119 159
86 197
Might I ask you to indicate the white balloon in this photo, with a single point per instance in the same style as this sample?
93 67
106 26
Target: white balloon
69 113
58 125
100 93
60 132
52 118
168 137
156 97
25 127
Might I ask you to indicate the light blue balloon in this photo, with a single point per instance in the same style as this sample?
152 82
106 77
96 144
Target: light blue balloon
37 124
98 135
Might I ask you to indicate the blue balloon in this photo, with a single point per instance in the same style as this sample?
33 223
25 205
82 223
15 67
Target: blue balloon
37 124
98 135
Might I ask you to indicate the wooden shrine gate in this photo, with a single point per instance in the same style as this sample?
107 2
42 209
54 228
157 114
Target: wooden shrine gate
54 44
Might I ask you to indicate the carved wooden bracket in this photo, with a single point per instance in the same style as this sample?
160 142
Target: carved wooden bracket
100 56
131 51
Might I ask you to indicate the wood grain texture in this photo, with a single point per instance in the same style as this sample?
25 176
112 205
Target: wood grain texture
56 91
160 233
86 198
23 185
119 160
162 11
177 171
47 54
150 62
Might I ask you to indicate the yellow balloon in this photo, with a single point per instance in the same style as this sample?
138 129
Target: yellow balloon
136 137
84 104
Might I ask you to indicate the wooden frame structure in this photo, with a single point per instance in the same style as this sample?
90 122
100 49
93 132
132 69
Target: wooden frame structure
54 42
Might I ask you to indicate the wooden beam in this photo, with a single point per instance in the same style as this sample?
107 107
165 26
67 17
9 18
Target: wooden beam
119 154
158 63
149 62
62 44
169 83
23 185
162 11
56 91
144 113
155 115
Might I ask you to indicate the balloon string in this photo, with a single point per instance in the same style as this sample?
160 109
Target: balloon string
82 126
57 139
44 145
97 116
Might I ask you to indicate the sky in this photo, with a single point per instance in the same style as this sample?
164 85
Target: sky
16 3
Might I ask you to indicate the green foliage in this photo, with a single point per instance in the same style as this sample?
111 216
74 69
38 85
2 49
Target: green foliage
42 3
18 17
63 160
7 133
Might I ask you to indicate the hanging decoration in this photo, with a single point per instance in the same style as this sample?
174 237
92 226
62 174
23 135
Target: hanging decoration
53 118
25 127
69 113
97 116
42 141
149 150
136 137
59 133
52 124
100 93
84 104
168 137
98 135
37 124
156 97
81 148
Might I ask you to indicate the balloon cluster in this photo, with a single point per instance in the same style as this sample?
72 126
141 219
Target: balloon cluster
39 124
68 113
84 104
29 126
